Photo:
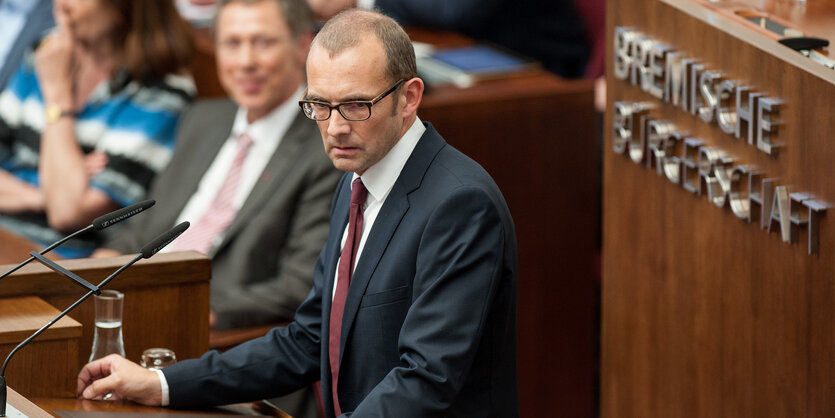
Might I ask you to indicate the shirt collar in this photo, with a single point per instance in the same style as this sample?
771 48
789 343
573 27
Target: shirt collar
379 179
264 129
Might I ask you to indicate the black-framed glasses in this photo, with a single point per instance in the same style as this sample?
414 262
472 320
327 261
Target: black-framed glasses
357 110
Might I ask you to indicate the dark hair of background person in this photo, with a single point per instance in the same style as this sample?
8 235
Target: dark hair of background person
297 14
155 40
348 28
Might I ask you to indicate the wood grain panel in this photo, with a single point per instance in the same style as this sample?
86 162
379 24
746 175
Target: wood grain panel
166 300
705 315
46 366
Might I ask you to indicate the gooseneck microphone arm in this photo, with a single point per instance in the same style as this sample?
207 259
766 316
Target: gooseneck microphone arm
48 249
98 224
146 252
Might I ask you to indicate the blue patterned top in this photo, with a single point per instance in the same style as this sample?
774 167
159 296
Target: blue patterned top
133 123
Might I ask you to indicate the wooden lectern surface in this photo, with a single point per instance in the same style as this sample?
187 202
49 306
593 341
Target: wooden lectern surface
46 366
705 314
20 317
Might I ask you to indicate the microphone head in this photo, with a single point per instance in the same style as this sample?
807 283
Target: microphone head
164 239
120 215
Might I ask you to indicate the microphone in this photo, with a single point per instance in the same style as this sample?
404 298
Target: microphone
147 251
162 240
98 224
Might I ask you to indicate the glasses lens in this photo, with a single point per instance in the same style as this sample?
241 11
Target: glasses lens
355 110
316 111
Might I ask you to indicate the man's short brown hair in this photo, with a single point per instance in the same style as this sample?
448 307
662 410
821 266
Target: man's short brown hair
348 29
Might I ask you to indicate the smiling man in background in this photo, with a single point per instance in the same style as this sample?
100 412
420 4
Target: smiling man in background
248 173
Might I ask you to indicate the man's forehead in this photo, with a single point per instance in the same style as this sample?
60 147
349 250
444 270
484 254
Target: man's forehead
368 51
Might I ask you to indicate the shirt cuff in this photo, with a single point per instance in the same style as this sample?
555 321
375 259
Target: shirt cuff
163 385
366 4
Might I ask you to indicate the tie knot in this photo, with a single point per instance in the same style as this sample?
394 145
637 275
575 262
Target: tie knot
358 192
244 141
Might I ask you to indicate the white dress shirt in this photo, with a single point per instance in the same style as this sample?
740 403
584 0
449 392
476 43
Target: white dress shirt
379 179
266 134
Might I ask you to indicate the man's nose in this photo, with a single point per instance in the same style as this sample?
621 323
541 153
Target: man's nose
338 125
246 55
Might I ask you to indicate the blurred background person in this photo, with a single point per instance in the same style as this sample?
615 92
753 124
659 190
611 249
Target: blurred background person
264 236
549 31
89 119
22 23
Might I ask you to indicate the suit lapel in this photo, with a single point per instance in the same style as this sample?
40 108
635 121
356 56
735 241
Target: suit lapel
279 167
392 212
203 145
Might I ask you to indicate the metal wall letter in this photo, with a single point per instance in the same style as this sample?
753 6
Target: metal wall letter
740 193
708 87
781 214
622 61
816 210
654 77
657 133
690 164
746 113
768 123
725 114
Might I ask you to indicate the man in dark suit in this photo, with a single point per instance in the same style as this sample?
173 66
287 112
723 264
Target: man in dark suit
264 251
412 313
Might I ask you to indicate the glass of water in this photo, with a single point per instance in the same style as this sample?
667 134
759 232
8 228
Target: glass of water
157 358
108 335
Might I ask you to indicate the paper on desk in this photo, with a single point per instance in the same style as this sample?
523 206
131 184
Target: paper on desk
14 413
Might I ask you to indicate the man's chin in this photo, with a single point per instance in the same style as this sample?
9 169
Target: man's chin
344 164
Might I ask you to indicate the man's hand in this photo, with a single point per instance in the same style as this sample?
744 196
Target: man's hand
326 9
124 378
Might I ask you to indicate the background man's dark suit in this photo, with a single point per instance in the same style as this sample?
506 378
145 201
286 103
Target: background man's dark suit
550 30
264 267
429 323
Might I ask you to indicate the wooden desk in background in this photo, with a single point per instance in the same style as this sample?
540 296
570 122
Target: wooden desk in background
14 249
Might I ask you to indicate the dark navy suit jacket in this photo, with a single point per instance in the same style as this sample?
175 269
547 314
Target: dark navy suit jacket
429 327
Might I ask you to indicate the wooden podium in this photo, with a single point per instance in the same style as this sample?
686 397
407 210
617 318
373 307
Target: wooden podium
719 262
48 365
166 305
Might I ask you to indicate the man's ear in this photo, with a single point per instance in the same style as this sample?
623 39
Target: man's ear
412 94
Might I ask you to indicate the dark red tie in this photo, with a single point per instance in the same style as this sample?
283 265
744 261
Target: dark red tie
343 280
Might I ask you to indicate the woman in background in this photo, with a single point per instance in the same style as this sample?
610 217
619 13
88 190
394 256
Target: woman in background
89 118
